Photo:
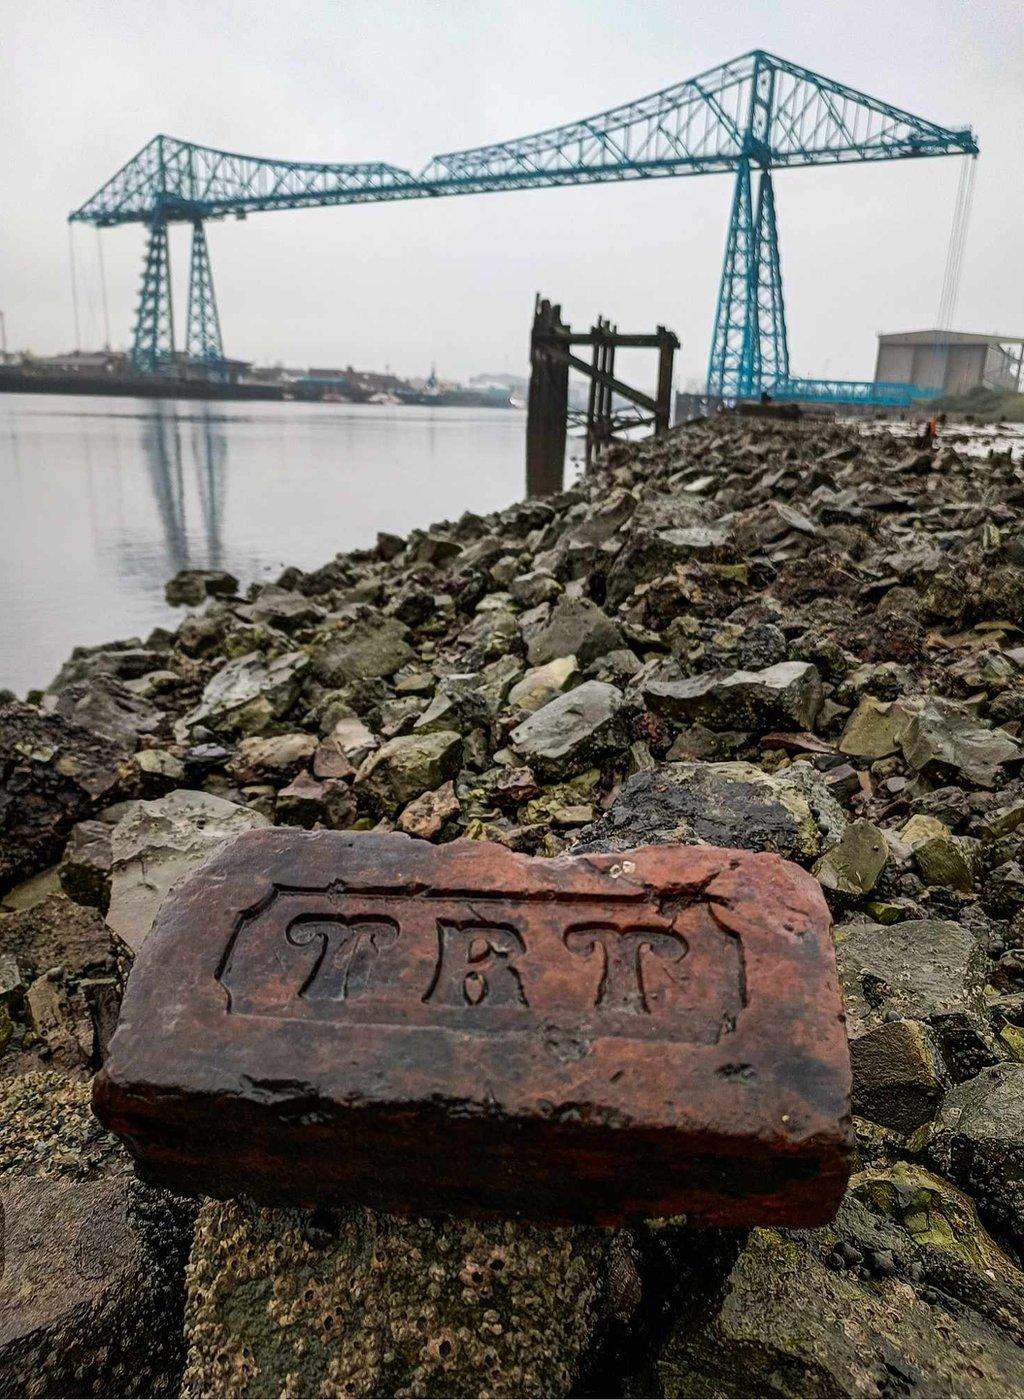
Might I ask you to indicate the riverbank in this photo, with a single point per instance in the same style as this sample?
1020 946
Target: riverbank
150 386
787 637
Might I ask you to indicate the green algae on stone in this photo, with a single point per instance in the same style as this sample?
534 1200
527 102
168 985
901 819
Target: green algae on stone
787 1321
934 1213
854 863
406 766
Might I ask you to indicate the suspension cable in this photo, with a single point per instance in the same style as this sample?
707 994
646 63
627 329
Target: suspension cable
950 291
103 289
74 285
957 243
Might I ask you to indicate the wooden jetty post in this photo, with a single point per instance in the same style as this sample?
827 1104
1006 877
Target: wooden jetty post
548 412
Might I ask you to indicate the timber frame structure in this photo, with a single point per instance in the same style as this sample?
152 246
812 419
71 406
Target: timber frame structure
548 412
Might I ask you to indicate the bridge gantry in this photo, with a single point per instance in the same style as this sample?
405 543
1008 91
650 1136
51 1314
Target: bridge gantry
749 117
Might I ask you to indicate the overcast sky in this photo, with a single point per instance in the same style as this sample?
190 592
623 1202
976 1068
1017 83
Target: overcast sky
85 83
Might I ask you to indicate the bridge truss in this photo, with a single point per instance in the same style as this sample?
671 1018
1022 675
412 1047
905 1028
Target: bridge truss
749 117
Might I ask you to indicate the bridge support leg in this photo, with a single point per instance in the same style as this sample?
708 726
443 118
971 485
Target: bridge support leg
153 343
749 348
771 309
203 344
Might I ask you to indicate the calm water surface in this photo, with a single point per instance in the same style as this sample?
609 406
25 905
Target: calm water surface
102 500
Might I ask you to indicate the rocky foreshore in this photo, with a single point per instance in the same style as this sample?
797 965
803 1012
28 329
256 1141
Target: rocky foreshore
778 636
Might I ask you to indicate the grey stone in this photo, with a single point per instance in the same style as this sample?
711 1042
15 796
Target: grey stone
158 843
52 774
57 933
605 518
874 729
926 969
762 644
285 610
189 587
247 695
363 649
307 801
785 1320
853 865
124 660
573 731
85 867
543 683
60 1027
649 554
1003 892
457 704
576 627
948 862
158 770
399 715
274 757
979 1142
106 707
788 693
331 761
533 588
617 667
493 635
944 739
432 548
897 1074
204 633
352 738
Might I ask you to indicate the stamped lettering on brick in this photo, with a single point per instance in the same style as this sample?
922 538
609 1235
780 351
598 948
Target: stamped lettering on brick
476 964
622 986
474 959
349 952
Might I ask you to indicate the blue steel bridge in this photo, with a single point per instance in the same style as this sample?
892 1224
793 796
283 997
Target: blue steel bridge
746 118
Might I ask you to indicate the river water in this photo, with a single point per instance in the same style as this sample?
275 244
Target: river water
102 500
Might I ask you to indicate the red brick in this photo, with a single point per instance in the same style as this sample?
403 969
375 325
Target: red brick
327 1017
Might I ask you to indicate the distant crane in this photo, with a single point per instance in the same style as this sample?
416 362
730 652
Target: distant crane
751 116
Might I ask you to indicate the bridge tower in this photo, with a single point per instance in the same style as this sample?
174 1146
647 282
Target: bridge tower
203 344
153 341
749 344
